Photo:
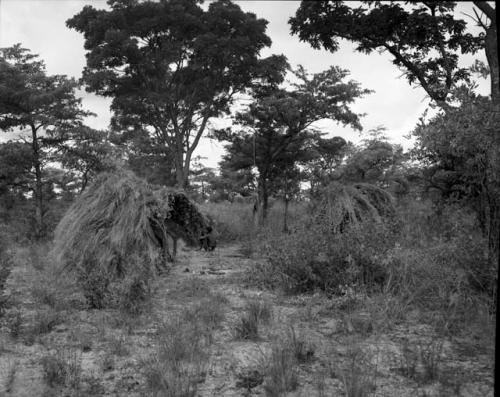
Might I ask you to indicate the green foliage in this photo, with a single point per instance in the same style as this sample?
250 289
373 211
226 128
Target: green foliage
274 134
87 152
376 161
16 162
171 65
423 38
47 106
313 258
460 152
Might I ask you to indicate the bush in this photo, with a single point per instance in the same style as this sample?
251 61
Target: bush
314 258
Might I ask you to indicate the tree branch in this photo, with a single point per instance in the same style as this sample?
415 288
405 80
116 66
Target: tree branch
487 9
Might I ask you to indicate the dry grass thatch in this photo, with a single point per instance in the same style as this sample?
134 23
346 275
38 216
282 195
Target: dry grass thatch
121 221
341 205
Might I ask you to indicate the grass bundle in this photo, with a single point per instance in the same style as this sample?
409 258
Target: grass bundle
109 223
119 227
341 205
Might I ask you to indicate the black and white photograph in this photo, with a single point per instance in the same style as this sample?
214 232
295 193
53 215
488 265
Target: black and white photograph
204 198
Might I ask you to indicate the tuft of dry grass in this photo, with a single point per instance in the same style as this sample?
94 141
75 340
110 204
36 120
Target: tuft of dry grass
257 311
180 361
281 371
62 368
303 349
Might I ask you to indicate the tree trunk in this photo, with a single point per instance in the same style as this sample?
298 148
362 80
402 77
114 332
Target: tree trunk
285 215
38 191
491 50
264 201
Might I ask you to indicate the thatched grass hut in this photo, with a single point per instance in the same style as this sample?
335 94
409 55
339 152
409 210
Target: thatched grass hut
341 206
121 225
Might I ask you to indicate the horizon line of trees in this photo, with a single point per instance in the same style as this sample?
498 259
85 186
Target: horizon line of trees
171 66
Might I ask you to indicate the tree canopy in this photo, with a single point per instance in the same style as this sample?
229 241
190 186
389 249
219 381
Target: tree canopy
169 66
422 37
273 134
46 106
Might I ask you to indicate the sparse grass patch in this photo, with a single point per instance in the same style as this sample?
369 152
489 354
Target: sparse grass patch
63 368
118 345
180 360
421 360
45 321
10 376
261 309
303 349
191 287
257 311
281 371
14 323
358 375
247 327
6 264
249 379
83 340
108 361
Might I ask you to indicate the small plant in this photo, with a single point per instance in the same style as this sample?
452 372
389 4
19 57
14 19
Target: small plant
83 340
108 362
45 321
62 368
15 323
118 346
208 313
10 377
358 376
261 309
181 359
431 358
247 327
5 269
256 312
281 371
303 349
44 295
409 360
249 379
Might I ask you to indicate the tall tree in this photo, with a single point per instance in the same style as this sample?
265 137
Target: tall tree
422 37
87 152
329 153
44 105
276 127
460 154
170 66
375 161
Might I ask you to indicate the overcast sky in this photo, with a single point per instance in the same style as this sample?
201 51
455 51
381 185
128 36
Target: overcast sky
39 25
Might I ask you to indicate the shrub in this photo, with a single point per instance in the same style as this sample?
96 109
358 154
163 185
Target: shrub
62 368
314 258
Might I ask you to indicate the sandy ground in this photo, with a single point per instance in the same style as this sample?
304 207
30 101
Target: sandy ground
347 342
